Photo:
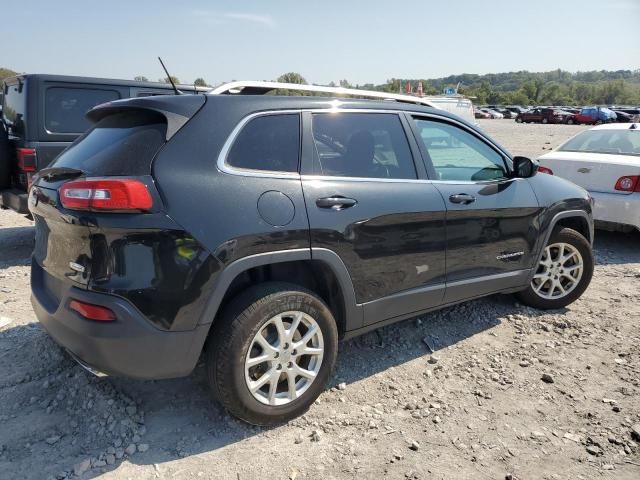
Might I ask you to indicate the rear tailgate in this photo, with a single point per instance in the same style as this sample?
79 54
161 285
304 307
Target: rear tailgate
596 172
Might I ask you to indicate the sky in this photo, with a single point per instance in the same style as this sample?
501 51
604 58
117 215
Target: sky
361 41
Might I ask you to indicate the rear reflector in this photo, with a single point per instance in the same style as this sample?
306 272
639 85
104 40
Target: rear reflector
546 170
630 183
105 195
92 312
26 159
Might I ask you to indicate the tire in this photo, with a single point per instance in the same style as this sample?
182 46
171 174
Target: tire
518 120
570 121
545 120
578 244
233 342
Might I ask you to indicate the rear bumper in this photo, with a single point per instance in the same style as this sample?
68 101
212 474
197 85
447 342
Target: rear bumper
130 346
15 200
623 209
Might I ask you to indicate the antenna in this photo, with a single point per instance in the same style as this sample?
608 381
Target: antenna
175 89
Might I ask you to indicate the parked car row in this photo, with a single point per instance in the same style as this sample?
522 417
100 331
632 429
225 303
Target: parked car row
593 115
492 111
581 116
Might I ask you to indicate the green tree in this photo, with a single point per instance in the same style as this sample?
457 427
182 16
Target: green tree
141 78
6 73
166 80
292 77
200 82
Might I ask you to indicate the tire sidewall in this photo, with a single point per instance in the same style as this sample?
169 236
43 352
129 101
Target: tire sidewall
565 235
249 408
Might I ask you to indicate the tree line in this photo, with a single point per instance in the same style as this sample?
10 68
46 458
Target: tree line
556 87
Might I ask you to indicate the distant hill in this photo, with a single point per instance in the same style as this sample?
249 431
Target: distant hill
556 87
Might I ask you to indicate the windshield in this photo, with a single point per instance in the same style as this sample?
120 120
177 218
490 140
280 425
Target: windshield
616 141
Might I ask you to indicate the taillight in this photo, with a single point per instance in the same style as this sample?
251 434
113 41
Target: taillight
630 183
546 170
92 312
105 195
26 159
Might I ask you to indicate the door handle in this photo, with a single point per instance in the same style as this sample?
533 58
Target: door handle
463 198
336 203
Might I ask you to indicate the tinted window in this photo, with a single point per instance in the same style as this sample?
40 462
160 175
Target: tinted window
269 142
65 107
625 142
369 145
120 144
14 108
458 155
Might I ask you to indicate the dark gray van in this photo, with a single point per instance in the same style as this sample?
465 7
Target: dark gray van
43 114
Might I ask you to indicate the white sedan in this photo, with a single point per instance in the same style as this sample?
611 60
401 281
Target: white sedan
605 160
493 113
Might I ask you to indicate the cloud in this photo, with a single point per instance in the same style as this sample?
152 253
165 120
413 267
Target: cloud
220 18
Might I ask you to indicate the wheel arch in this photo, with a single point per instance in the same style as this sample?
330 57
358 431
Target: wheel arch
319 270
578 220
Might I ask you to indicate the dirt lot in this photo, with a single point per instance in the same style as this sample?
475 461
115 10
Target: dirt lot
476 408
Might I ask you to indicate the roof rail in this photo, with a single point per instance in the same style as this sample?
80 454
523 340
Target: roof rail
250 87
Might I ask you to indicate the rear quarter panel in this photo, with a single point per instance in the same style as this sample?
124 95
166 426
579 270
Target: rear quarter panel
219 209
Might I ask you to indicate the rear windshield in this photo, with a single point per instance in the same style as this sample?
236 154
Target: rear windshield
616 141
14 108
119 144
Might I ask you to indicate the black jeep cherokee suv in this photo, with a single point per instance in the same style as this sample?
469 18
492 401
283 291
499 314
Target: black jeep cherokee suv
261 229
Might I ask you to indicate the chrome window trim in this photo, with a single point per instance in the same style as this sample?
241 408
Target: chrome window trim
328 178
224 167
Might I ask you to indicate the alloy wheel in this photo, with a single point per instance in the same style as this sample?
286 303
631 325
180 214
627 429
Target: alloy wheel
559 271
284 358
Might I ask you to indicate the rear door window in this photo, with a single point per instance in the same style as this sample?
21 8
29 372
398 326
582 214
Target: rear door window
268 143
119 144
65 107
365 145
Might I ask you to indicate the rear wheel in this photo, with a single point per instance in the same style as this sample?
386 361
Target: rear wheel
545 120
518 120
272 353
563 272
570 121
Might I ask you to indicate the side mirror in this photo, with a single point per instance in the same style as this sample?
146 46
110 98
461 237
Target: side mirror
524 167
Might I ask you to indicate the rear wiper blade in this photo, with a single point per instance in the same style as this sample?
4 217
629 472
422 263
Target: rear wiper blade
56 173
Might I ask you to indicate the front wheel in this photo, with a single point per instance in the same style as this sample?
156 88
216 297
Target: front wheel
563 272
545 120
272 353
570 121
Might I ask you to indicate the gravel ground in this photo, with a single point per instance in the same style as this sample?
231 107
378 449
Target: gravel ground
485 390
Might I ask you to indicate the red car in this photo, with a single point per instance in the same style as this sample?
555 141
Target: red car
545 115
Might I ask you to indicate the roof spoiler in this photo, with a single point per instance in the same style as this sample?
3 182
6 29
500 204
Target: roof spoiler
176 113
